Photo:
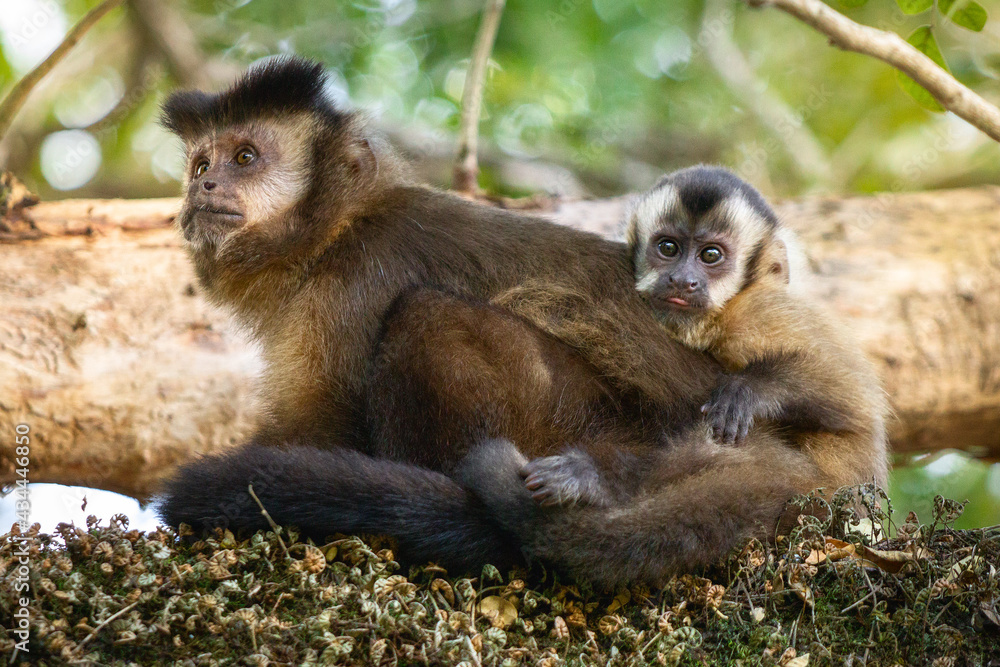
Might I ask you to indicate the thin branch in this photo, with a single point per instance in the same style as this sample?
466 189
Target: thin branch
892 49
165 31
274 526
19 93
732 67
466 172
102 624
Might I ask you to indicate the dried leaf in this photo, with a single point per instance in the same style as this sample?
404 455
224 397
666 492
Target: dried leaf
815 557
559 628
620 601
989 612
499 611
801 661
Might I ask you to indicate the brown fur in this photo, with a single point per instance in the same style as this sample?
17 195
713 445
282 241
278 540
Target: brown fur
411 324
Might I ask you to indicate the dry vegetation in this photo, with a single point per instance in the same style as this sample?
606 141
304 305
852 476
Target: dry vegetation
826 595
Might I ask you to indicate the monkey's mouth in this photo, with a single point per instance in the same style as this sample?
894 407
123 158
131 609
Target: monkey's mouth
217 212
209 219
675 302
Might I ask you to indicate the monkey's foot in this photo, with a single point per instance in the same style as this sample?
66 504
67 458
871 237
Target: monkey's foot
565 480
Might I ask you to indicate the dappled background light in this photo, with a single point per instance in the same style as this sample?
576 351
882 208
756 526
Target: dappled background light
70 158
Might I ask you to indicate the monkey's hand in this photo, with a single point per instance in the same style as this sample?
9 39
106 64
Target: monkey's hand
565 480
731 410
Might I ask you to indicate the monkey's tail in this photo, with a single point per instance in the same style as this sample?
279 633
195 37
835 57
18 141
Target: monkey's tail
325 492
686 522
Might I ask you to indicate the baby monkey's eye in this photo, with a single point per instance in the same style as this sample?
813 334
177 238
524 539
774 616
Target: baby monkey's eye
711 255
668 248
245 156
200 168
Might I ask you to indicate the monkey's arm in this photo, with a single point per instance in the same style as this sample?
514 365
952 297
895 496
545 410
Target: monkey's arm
620 337
785 388
794 367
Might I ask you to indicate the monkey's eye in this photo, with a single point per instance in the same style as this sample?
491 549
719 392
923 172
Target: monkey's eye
200 168
245 156
711 255
668 248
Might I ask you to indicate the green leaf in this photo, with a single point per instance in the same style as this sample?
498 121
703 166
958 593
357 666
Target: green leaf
923 40
969 14
851 4
914 6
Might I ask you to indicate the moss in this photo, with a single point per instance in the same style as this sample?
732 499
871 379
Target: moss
927 595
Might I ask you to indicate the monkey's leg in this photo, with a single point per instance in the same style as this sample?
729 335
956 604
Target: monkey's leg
330 491
724 498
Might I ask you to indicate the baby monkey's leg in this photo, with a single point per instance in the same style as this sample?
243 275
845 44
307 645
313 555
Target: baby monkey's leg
598 473
565 480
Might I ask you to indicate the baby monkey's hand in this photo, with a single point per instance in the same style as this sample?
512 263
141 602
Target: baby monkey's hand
565 480
731 410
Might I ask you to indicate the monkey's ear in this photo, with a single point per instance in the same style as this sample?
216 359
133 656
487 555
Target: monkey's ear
777 260
365 154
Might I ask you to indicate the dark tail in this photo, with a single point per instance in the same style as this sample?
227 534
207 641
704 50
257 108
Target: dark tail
325 492
691 515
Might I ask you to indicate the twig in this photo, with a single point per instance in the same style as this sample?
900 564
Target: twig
856 603
19 93
731 65
275 527
466 172
165 31
892 49
93 633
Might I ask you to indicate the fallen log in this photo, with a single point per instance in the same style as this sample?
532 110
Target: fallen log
121 370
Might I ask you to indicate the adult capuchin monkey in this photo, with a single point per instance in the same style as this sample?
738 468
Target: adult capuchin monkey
306 226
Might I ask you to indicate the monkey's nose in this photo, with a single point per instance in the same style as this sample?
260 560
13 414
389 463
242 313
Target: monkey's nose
208 185
692 285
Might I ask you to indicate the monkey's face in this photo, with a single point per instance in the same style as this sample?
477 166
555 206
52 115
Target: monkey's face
688 270
244 178
694 240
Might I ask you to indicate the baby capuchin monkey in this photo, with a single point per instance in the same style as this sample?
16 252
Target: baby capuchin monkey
710 259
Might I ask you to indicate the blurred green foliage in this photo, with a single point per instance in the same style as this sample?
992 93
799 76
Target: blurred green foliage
604 95
951 474
614 92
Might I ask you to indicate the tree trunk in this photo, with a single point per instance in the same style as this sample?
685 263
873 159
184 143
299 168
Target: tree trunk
113 359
